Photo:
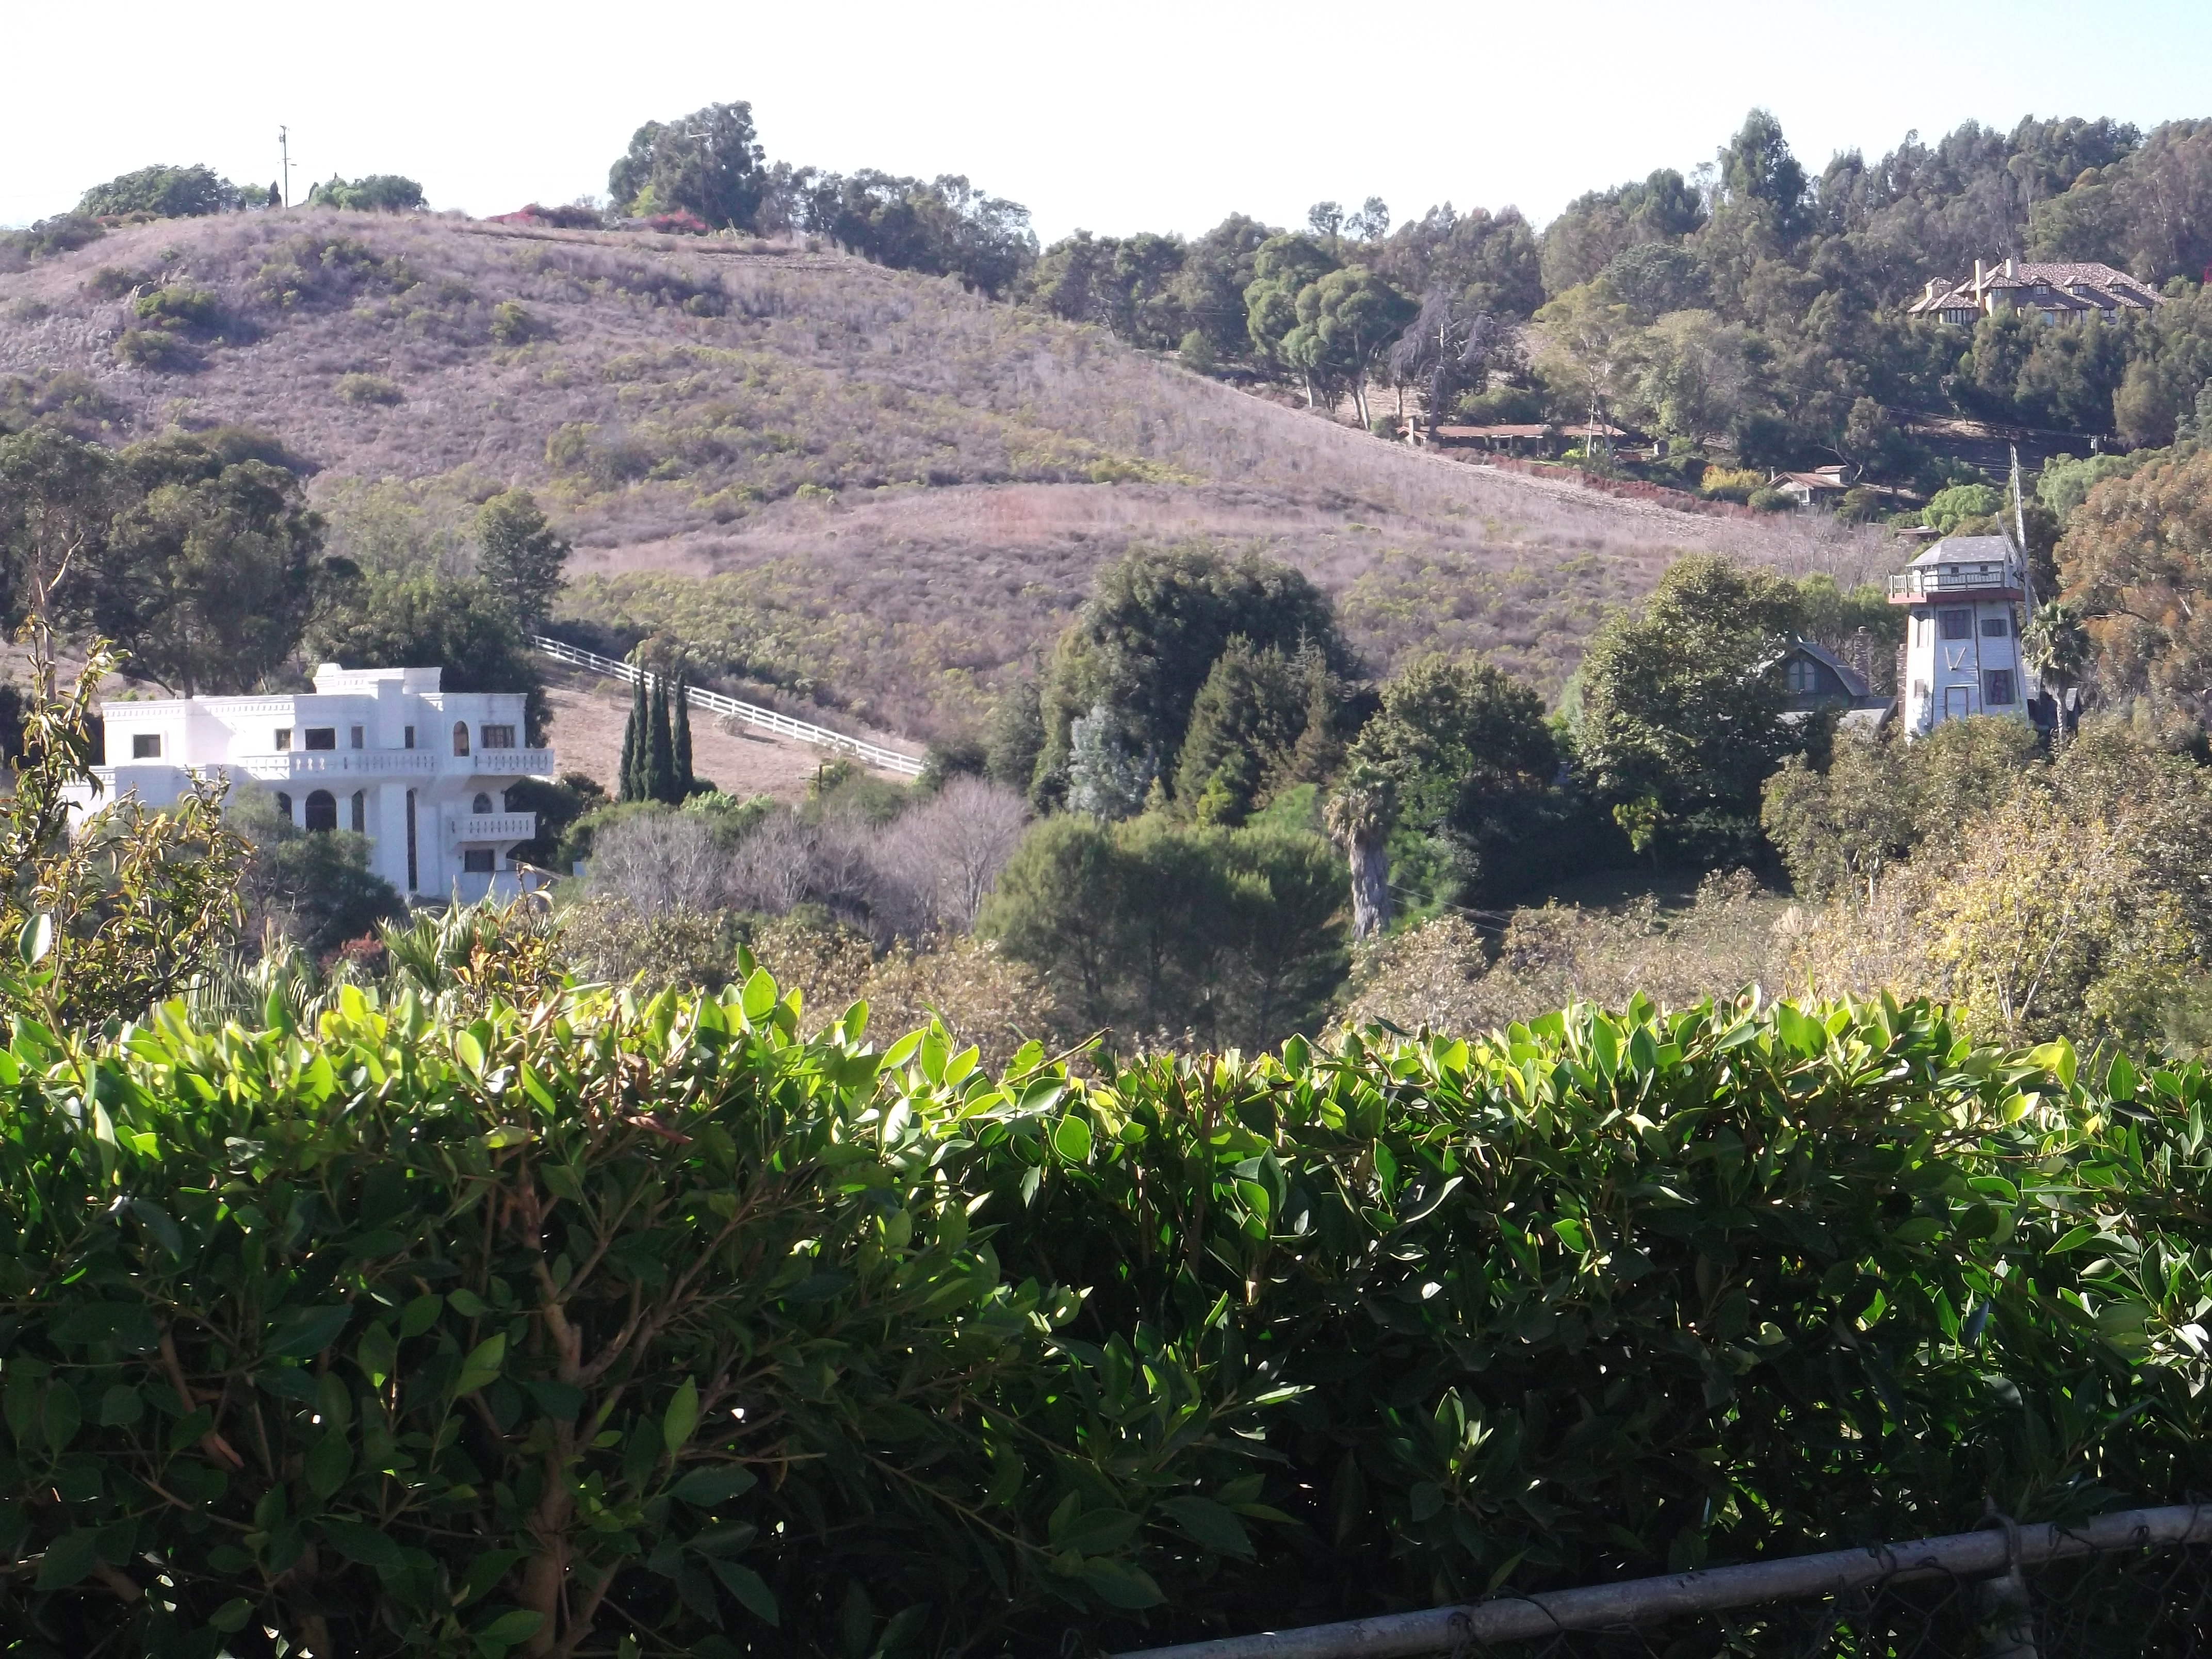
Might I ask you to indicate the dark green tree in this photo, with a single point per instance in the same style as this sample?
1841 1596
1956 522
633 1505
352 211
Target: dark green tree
1149 635
1682 706
708 163
392 620
1015 737
659 747
210 572
636 742
318 889
57 495
378 192
680 717
167 192
520 556
1244 726
1152 928
1471 765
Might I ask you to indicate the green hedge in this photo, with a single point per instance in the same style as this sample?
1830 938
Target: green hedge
599 1327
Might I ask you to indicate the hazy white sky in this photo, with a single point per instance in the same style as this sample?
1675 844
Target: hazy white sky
1139 115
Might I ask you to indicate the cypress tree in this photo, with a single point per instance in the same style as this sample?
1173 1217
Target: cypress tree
661 752
630 784
680 716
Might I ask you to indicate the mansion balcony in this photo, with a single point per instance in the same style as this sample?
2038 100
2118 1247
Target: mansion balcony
492 827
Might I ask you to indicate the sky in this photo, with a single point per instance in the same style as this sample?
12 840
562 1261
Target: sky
1143 115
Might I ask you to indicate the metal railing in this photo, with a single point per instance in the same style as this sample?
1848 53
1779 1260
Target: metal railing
1952 579
749 713
1995 1557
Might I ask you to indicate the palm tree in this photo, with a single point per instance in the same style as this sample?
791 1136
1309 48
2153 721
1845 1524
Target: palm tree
1358 818
2055 644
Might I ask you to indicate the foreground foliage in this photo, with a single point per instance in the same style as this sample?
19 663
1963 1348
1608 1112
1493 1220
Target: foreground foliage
594 1325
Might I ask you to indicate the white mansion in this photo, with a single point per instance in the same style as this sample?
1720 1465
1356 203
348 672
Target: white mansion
381 751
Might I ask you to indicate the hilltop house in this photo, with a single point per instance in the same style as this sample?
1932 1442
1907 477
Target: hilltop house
2056 291
381 751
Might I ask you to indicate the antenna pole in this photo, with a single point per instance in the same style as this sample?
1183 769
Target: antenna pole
284 154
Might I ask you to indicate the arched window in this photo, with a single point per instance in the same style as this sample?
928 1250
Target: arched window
360 812
322 809
414 877
481 804
460 737
284 805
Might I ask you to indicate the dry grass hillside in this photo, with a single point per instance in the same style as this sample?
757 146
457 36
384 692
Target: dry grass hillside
849 484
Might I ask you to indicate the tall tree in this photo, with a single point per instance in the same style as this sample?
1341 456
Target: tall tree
660 746
210 575
520 556
1148 636
708 163
1682 706
680 735
637 741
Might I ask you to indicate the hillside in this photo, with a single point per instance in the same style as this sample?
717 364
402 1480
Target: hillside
852 484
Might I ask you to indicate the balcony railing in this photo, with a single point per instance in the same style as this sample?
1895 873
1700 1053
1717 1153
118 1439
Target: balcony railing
281 766
510 762
494 826
1926 581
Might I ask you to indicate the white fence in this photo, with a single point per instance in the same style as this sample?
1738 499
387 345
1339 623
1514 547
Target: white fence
767 720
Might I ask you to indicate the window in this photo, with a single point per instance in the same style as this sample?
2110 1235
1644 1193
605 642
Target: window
283 738
322 809
358 735
476 861
1997 688
414 881
1996 628
481 804
1803 676
1958 624
284 805
359 812
499 737
145 746
409 743
460 737
322 737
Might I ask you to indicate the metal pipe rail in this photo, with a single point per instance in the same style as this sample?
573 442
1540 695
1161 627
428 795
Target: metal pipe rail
751 713
1984 1554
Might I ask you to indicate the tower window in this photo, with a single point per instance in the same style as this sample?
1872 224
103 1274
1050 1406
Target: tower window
481 804
284 805
460 737
145 746
1958 624
499 737
322 737
1997 688
322 809
359 812
283 738
409 743
413 879
1996 628
476 861
358 737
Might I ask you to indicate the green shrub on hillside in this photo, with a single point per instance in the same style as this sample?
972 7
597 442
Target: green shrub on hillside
368 389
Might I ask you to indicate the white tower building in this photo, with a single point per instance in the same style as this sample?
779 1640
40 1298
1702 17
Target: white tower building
1962 638
382 752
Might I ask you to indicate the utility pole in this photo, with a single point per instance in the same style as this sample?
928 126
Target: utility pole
284 154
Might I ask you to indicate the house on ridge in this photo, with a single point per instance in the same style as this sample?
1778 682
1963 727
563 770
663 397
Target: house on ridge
2056 291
